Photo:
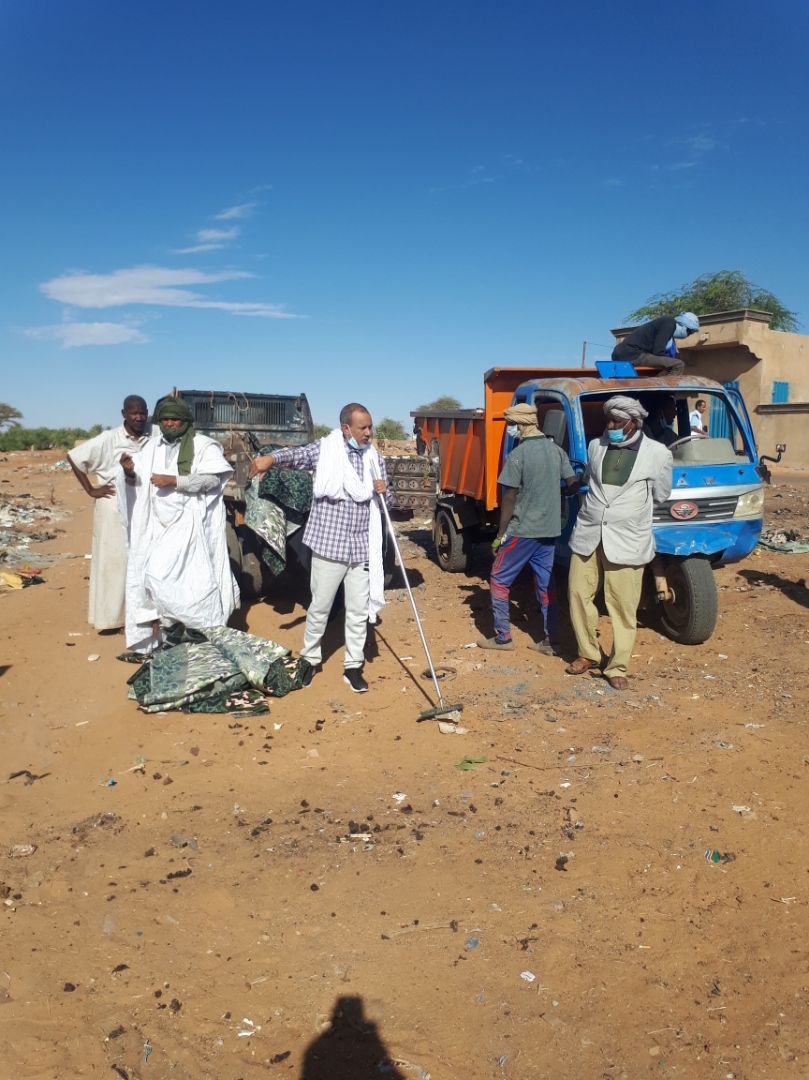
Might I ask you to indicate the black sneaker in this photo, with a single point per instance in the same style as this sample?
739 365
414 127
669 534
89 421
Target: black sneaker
353 676
307 679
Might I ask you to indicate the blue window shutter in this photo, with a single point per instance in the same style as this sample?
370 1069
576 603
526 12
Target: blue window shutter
718 419
780 393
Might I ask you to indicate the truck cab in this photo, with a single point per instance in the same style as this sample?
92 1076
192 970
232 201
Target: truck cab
715 511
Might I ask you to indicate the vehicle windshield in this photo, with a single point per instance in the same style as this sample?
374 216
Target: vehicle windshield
699 429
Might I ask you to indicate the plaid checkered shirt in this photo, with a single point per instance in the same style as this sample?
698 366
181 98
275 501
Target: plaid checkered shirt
337 528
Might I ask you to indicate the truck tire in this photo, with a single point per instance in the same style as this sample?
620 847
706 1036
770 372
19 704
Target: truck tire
450 545
691 618
234 551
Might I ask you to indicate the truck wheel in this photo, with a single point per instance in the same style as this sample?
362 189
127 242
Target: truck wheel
252 576
690 618
450 546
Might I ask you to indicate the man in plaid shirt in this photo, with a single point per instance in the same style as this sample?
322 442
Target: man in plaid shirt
337 532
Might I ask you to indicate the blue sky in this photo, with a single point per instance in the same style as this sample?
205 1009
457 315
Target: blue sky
377 200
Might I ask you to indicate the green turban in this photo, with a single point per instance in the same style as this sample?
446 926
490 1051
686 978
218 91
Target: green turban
172 408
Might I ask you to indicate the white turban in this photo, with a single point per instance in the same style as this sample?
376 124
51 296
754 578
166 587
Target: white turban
625 408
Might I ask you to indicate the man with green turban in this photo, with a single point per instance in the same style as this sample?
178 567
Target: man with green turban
178 568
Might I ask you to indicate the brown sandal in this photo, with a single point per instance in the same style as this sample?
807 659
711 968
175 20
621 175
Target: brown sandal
578 667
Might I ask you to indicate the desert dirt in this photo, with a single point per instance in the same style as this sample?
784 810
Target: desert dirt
274 943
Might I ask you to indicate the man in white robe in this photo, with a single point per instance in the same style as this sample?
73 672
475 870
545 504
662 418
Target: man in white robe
100 456
179 570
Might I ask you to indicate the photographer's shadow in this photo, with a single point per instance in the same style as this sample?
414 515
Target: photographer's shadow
350 1048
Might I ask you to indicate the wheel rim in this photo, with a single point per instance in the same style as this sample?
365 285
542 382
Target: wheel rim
444 540
677 610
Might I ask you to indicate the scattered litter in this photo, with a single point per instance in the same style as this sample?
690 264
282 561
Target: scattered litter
785 899
528 976
480 995
502 1060
405 657
147 1049
451 729
181 841
471 645
740 809
565 784
22 851
399 796
721 656
471 943
714 856
724 745
602 750
467 764
754 725
277 727
94 656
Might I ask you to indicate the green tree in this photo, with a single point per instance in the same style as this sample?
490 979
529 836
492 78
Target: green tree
446 402
728 290
9 415
322 430
389 429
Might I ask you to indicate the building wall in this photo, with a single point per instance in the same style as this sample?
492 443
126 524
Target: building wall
739 346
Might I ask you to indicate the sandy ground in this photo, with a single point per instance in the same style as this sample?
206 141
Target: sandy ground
272 945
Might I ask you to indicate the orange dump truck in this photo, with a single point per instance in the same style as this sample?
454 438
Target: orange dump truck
714 514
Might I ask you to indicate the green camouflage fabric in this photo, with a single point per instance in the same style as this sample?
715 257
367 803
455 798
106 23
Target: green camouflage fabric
276 507
231 670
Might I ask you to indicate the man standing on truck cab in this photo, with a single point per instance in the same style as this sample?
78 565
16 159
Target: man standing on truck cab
530 522
344 532
612 541
652 343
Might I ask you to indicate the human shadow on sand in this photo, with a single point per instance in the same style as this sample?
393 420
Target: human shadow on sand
350 1048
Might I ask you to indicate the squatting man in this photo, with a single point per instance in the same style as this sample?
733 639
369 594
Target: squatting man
344 533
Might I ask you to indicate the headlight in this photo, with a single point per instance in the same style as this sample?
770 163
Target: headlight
750 505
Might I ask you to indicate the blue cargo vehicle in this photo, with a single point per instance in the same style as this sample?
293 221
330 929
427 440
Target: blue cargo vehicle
714 515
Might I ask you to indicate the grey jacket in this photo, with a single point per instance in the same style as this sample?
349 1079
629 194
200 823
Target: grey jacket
621 518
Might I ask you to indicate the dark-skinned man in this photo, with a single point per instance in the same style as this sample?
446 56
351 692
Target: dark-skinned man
178 569
612 540
100 456
344 532
652 344
530 522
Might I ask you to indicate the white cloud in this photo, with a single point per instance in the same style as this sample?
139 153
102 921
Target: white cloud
156 285
242 211
205 236
210 240
72 335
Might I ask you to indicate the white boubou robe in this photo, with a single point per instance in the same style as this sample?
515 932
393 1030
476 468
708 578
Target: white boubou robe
178 569
620 518
101 456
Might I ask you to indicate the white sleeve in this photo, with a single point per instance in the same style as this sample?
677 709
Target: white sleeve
197 482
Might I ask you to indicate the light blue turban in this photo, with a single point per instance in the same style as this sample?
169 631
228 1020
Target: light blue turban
687 323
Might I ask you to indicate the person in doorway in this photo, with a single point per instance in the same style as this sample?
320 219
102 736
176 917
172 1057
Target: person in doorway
344 532
100 456
697 418
530 522
612 541
179 570
661 422
653 343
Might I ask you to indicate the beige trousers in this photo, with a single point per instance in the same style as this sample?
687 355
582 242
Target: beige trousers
622 587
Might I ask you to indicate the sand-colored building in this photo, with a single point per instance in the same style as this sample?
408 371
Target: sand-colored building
769 367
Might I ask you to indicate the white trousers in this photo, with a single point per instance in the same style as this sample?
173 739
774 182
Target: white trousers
325 579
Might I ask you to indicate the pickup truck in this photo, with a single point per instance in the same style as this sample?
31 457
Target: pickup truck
715 511
242 423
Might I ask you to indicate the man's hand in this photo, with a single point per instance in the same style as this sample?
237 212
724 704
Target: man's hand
128 465
380 487
498 540
259 465
103 491
161 481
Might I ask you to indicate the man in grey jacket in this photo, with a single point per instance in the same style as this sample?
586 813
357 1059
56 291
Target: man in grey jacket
627 473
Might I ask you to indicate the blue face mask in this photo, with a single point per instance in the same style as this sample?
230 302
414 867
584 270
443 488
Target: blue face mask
615 435
353 443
